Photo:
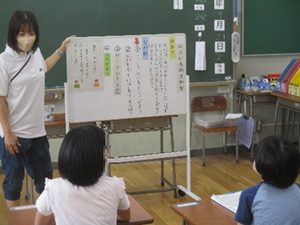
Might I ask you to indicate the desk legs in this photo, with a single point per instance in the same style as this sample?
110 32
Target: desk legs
185 222
254 133
286 134
275 118
237 147
293 116
251 106
288 120
285 131
240 102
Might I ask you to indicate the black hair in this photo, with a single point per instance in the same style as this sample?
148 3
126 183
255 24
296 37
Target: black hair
81 160
19 20
277 160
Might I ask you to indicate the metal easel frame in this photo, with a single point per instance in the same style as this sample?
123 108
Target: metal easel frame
159 124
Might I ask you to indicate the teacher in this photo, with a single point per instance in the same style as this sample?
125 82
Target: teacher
23 140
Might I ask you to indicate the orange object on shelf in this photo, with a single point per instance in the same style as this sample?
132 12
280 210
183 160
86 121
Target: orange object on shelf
273 78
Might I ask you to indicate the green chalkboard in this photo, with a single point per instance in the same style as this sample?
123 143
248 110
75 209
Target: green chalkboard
271 27
59 19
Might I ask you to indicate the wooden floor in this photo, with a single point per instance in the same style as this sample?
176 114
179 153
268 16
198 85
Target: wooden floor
221 175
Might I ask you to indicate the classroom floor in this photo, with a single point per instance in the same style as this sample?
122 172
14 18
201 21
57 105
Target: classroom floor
221 175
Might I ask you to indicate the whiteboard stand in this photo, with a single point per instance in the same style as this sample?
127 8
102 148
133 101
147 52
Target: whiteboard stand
187 190
67 108
161 124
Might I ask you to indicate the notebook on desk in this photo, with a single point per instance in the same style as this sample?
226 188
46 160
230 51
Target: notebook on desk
229 200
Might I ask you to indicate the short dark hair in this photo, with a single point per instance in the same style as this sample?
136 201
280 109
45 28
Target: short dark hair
81 160
277 160
20 19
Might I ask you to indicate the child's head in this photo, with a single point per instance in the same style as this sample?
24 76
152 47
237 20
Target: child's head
277 160
22 22
81 159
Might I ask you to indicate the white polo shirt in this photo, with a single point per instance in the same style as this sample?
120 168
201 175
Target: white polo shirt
25 94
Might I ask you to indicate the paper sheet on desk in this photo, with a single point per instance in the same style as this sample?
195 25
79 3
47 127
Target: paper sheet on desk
233 115
245 130
229 201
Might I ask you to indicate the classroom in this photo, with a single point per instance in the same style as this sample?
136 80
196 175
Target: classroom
150 139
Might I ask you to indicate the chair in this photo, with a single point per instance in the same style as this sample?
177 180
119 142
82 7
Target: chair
213 124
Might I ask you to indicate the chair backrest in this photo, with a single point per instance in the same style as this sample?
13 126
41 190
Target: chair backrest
208 103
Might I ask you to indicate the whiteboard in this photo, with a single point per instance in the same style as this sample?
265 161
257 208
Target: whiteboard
124 77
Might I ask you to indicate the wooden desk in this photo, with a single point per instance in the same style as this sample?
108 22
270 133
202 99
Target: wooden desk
206 213
255 99
58 119
59 123
287 102
26 216
57 127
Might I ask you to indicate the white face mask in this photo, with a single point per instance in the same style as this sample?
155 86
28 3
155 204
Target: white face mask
25 43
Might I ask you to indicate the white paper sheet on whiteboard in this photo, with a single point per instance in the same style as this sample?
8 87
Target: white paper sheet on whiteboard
200 57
